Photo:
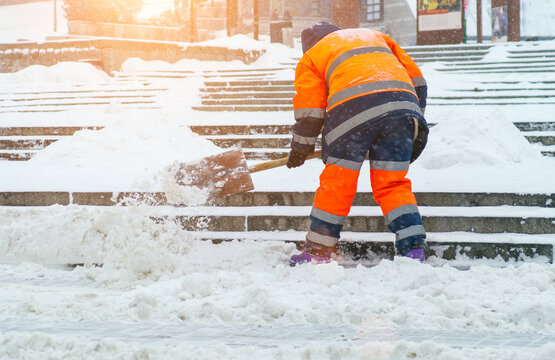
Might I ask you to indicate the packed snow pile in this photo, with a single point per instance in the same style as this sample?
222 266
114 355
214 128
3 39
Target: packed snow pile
66 72
121 237
134 152
141 146
492 141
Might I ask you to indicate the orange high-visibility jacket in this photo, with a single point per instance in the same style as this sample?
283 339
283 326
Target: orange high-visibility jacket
353 76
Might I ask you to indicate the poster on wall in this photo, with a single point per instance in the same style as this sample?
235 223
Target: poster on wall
436 15
499 24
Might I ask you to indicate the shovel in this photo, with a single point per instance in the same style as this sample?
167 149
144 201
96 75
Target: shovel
225 173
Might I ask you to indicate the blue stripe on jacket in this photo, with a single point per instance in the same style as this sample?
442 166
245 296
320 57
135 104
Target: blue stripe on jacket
345 111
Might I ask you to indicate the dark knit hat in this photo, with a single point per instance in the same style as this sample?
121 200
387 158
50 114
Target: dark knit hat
310 36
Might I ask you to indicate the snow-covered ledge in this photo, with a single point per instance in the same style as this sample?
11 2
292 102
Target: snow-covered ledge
110 53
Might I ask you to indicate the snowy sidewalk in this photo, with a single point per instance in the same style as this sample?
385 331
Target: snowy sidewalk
263 336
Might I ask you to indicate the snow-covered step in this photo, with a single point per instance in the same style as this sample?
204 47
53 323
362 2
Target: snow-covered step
490 102
17 155
239 83
241 129
78 101
247 108
204 73
26 142
252 141
103 105
503 68
419 60
497 96
251 95
52 97
548 150
248 88
268 198
502 63
447 48
459 248
44 130
535 126
506 90
71 88
541 137
148 76
367 219
247 101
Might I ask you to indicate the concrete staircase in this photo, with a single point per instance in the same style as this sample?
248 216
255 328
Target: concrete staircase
497 226
488 217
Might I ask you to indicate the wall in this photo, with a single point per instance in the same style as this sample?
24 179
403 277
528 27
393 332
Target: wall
14 57
400 22
109 54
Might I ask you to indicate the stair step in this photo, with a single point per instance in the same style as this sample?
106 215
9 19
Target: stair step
243 89
366 219
372 247
490 103
219 129
504 63
183 75
249 83
251 95
26 142
269 199
425 60
446 48
17 155
44 130
492 97
78 89
240 129
544 139
251 142
508 90
508 68
249 108
50 99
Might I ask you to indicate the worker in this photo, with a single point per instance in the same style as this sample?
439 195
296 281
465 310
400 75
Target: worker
366 96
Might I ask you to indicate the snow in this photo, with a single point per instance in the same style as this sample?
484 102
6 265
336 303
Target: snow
31 22
162 293
65 72
133 151
161 282
495 142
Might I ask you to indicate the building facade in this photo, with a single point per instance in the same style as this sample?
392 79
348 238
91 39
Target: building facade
393 17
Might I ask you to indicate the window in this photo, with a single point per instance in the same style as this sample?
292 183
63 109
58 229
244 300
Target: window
372 10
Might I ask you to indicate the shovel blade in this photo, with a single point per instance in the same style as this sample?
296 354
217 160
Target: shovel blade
220 175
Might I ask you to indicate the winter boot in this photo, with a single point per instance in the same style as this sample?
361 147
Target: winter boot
417 254
313 253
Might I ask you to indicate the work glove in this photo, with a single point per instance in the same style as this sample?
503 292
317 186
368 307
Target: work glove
296 159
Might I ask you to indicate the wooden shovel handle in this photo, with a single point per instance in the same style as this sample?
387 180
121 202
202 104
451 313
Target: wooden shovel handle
279 162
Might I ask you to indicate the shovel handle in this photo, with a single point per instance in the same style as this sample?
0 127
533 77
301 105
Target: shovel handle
279 162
